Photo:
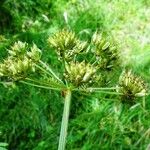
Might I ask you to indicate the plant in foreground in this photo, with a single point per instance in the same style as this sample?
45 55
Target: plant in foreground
78 71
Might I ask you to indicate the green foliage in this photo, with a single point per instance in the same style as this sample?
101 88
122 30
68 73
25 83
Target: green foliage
107 125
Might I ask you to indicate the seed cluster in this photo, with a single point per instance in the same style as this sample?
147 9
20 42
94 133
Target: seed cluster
66 44
106 53
131 86
20 61
80 73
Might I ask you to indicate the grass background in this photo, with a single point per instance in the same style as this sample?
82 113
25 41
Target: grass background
30 118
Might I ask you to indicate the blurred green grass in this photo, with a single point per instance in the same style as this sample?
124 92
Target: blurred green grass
30 117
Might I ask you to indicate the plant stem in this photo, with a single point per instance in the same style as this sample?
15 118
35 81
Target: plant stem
42 69
50 70
64 123
95 89
54 85
37 81
40 86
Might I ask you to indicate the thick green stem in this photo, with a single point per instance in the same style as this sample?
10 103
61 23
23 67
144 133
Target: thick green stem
64 123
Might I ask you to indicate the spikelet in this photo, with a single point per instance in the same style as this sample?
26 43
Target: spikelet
19 48
20 61
80 73
34 53
66 44
131 86
106 53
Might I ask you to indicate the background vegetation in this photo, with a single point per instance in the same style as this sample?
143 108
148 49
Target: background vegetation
30 118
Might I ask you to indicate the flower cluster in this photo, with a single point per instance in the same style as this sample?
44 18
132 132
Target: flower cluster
106 53
18 49
20 61
77 71
66 44
131 86
80 73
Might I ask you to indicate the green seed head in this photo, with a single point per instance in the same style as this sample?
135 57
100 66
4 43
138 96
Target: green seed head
66 44
131 86
106 53
34 53
20 61
16 68
19 48
79 73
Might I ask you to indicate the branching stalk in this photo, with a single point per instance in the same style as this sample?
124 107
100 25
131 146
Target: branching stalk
41 86
64 123
102 88
95 89
42 69
107 92
43 83
50 70
37 82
